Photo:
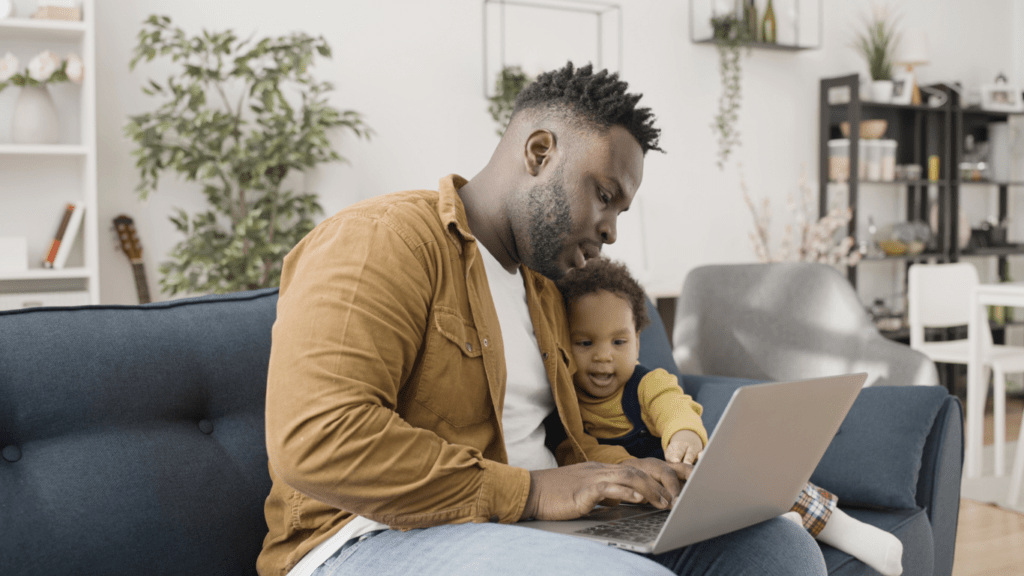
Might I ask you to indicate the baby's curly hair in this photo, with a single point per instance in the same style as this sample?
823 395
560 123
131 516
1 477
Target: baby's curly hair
600 98
602 274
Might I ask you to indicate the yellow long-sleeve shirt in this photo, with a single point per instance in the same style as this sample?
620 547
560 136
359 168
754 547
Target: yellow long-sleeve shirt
665 410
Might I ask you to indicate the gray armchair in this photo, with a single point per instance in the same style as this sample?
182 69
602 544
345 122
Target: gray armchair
785 321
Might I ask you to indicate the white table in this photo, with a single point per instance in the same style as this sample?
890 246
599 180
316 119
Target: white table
1005 294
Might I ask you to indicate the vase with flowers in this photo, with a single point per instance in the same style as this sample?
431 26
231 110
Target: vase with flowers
35 118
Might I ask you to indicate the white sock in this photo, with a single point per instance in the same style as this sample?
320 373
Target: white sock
794 517
872 546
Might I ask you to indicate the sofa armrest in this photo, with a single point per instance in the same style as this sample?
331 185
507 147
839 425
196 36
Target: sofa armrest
938 486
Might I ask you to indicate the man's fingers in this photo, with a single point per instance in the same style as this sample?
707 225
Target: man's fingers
641 482
691 456
604 491
681 469
668 478
665 477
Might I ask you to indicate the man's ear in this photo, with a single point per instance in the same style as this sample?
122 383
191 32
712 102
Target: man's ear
540 147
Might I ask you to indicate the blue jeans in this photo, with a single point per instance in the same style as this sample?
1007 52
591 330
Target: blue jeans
774 548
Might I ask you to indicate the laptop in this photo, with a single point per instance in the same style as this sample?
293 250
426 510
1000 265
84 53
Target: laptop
760 456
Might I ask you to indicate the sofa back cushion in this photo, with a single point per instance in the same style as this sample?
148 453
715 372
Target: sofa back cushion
132 437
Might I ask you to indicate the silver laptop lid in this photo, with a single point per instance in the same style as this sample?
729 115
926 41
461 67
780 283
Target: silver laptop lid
763 451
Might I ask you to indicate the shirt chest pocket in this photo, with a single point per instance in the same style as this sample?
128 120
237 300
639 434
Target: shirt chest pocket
453 384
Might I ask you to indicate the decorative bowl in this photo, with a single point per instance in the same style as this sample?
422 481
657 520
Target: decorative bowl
902 238
893 247
869 129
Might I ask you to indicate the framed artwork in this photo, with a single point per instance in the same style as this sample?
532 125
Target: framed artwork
541 35
902 87
1001 97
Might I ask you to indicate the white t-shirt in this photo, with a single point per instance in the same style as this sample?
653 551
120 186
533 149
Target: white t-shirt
528 400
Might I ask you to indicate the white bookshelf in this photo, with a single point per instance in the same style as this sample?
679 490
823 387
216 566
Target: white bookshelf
37 181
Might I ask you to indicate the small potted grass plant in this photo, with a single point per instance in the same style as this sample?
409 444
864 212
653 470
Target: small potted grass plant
877 43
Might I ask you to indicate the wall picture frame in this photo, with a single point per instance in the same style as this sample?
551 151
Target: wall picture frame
1001 97
902 87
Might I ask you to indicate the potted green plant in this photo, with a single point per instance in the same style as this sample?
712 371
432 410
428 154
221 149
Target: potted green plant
237 116
877 43
509 84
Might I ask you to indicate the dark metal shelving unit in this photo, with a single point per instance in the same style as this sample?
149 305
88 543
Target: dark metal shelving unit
905 257
976 121
1008 250
923 131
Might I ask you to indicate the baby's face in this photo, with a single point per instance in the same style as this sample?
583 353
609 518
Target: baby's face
605 343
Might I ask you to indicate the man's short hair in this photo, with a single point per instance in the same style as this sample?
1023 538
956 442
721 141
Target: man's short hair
600 98
602 274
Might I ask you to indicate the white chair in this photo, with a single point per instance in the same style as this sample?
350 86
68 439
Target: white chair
939 296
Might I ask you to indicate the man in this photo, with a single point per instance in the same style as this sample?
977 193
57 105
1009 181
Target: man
420 344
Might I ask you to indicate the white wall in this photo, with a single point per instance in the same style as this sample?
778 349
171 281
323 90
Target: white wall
414 68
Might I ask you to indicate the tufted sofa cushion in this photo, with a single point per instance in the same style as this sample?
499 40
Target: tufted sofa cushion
129 434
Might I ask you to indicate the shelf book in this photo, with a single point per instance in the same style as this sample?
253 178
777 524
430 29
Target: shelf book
64 239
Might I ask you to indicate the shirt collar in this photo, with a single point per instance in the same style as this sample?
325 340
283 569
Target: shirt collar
452 211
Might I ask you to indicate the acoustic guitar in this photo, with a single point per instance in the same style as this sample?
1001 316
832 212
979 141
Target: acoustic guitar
130 245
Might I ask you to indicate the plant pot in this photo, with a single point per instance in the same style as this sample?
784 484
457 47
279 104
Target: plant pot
724 29
35 117
881 91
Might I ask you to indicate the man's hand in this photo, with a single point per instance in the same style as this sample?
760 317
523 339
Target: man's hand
569 492
685 446
671 475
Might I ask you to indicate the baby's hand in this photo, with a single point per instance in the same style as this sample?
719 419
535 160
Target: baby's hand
685 446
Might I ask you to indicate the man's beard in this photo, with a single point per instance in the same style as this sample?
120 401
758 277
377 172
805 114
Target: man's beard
550 222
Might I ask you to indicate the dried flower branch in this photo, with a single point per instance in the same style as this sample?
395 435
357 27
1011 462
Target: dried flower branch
804 240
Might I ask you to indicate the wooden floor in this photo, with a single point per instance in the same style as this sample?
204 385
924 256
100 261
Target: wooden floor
990 540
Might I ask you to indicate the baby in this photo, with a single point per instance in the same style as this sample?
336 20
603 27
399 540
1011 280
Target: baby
647 412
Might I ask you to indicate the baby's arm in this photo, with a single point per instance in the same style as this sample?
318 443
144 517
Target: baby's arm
684 446
673 416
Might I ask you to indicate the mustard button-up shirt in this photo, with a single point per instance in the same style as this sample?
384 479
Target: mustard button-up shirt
387 378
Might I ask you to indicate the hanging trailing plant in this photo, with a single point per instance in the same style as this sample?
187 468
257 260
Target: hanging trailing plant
730 35
509 84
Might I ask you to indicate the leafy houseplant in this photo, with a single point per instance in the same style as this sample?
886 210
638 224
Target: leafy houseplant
509 84
226 122
730 35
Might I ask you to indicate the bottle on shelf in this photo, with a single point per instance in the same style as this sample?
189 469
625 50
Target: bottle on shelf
768 24
750 22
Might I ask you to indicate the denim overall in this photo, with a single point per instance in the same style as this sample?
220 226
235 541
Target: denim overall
639 441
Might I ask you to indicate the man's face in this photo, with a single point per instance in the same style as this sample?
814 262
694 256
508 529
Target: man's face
568 215
605 343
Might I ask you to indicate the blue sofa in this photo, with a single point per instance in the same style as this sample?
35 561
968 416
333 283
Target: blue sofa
132 442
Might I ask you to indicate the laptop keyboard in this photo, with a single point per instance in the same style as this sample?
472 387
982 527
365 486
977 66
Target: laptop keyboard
638 529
